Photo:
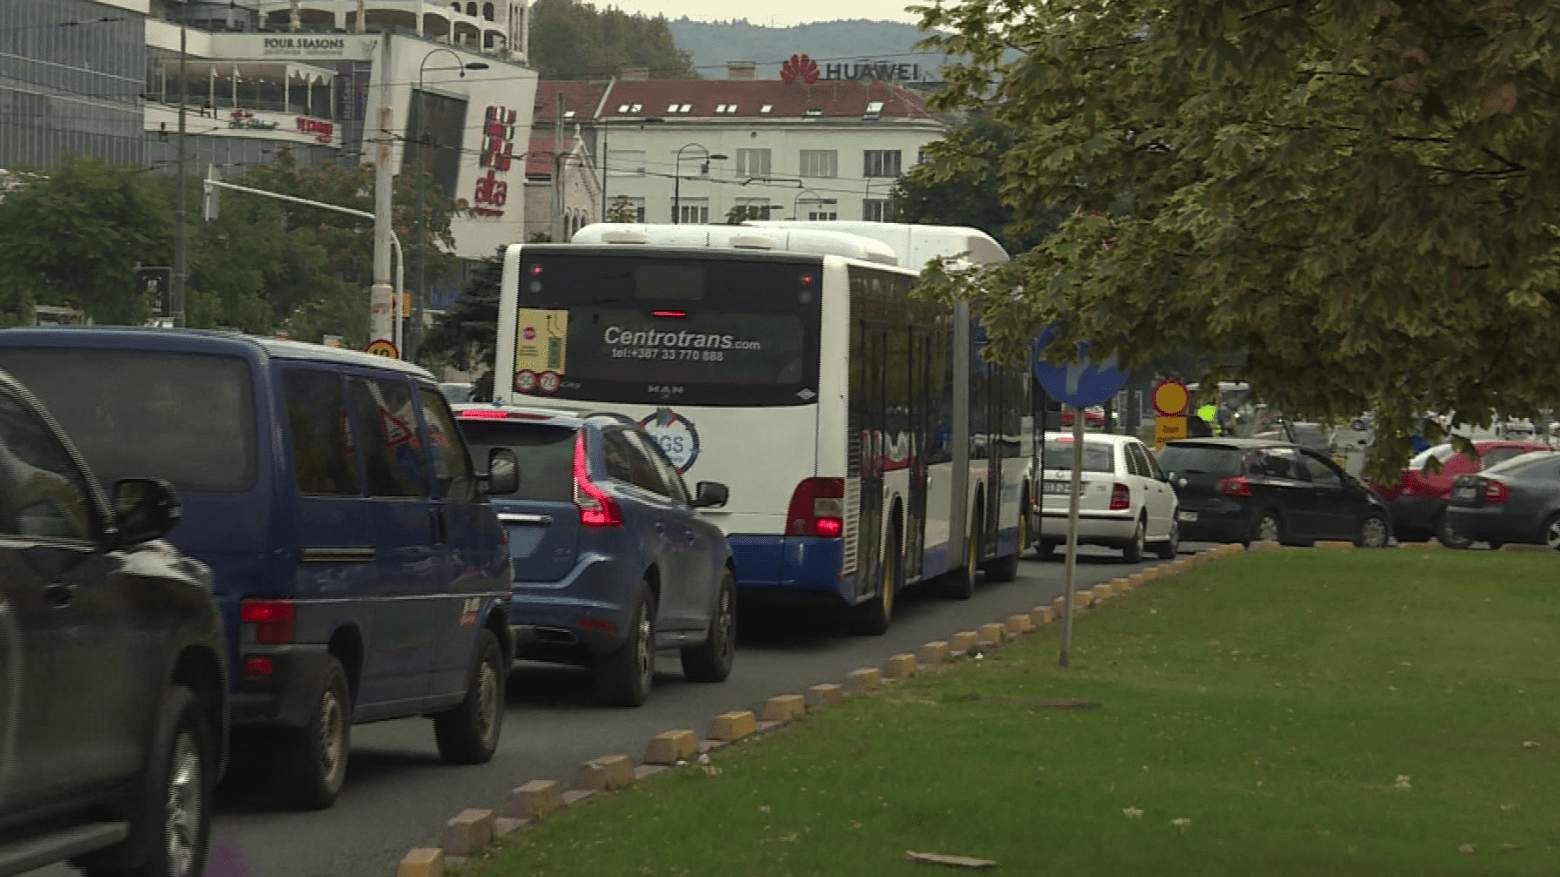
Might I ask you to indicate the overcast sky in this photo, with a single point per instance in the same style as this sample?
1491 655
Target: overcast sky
793 12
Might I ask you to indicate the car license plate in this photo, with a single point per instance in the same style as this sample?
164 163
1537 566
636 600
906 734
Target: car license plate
1186 517
1056 487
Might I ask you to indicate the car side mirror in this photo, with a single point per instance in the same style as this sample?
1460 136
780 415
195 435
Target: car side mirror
144 509
503 476
710 495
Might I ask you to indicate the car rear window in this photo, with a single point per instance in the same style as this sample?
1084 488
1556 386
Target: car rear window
1529 463
186 418
1097 456
1201 459
546 455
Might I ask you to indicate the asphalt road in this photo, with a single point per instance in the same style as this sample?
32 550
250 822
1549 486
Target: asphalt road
398 794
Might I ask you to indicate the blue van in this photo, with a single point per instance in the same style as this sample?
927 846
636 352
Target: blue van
358 565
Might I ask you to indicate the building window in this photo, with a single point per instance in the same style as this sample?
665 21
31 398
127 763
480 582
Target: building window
626 209
692 211
877 209
751 208
822 214
874 110
752 162
820 163
880 163
487 14
625 162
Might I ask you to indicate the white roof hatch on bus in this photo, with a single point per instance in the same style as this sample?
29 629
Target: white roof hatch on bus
820 242
915 245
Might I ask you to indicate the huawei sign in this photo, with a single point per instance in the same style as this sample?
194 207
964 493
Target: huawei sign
799 67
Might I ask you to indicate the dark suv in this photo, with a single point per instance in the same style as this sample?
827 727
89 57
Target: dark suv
112 679
1251 490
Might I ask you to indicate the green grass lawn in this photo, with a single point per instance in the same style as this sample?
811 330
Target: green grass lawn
1293 712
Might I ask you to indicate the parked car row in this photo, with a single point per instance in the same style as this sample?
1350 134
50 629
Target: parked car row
1204 490
307 548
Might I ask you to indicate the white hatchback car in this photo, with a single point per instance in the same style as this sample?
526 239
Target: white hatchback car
1126 501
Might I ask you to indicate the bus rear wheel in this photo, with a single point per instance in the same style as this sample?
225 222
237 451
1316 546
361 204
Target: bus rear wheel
873 617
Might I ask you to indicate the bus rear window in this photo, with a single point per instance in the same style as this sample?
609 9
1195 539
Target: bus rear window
659 330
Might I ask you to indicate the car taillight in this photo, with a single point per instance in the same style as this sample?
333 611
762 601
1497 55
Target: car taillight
1237 486
817 508
258 667
1495 493
1120 498
596 508
273 620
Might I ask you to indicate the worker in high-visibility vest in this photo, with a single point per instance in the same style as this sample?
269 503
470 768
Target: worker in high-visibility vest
1209 415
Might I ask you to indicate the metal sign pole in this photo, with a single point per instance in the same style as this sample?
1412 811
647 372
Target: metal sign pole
1072 532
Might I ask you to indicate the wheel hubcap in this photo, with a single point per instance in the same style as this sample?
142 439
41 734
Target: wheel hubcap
645 648
887 587
487 701
182 816
1267 531
330 735
1375 533
1552 535
1175 537
726 625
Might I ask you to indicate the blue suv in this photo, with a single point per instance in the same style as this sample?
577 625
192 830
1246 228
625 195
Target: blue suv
612 559
357 564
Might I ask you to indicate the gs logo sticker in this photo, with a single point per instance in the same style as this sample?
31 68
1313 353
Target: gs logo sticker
676 435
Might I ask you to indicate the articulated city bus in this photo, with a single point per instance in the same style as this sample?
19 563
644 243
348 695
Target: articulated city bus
865 443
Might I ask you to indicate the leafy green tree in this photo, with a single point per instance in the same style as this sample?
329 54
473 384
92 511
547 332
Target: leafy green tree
961 185
74 236
575 40
466 335
1360 196
265 265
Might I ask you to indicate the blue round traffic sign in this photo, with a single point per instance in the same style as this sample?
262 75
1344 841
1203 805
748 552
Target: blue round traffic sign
1080 383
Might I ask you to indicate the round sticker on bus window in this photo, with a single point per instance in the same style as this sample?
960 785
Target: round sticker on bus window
676 436
525 381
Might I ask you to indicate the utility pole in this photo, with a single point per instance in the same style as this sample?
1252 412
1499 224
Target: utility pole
180 266
557 180
383 310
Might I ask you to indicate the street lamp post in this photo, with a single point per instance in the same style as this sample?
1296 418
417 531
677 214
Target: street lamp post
414 337
605 127
796 205
677 183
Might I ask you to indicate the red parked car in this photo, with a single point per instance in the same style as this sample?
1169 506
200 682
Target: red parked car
1418 502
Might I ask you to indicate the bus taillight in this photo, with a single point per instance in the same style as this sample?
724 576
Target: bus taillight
817 508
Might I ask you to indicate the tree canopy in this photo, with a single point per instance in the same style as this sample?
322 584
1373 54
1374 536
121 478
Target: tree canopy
1362 198
575 40
466 335
74 236
961 185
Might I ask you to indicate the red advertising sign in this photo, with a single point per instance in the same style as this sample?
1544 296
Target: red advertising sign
498 150
322 130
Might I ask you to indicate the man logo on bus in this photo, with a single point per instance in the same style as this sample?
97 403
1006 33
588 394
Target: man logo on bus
676 436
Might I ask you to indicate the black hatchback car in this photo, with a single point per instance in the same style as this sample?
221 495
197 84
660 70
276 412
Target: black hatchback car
1517 501
1249 490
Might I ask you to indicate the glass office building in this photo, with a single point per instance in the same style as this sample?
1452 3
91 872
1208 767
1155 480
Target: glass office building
72 74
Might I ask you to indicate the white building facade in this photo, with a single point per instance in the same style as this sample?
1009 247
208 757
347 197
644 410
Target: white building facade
712 150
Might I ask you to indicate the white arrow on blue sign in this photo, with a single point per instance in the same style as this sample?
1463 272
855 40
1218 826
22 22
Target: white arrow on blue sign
1080 383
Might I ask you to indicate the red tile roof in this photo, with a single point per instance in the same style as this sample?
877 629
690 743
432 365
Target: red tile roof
838 99
581 97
